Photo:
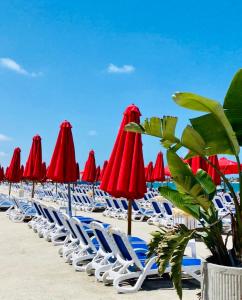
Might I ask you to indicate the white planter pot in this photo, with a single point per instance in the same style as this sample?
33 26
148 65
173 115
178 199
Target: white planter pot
221 282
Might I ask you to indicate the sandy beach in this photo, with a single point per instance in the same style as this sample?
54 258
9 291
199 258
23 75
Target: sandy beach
32 269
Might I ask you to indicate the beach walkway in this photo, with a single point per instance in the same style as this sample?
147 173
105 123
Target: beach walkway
31 269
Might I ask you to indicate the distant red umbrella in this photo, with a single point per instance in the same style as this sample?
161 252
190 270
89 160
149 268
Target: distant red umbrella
89 173
13 173
103 169
167 171
149 172
43 172
124 175
212 172
198 162
77 171
1 174
62 167
98 171
228 166
22 172
158 171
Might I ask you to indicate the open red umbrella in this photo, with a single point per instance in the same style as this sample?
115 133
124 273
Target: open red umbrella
98 171
158 171
33 167
103 169
196 163
149 172
125 174
62 166
13 172
228 166
212 172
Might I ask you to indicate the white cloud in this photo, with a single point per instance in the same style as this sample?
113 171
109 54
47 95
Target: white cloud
3 154
4 138
12 65
92 132
125 69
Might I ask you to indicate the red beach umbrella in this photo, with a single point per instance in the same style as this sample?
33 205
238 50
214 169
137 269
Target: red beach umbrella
13 173
103 169
22 172
158 171
98 171
228 166
149 172
198 162
43 172
62 166
1 174
77 171
89 173
167 171
212 172
124 175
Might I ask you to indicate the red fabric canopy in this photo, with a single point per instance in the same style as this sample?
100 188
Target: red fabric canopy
196 163
212 172
62 167
89 173
43 172
125 173
228 166
13 172
167 171
98 171
1 174
77 171
33 167
103 169
149 172
158 171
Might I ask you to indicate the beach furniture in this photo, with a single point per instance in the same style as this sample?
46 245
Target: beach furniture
132 264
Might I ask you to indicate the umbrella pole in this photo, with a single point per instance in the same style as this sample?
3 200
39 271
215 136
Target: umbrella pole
69 201
93 192
32 196
129 216
56 189
9 192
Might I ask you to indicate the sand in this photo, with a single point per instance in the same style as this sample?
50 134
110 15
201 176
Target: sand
31 269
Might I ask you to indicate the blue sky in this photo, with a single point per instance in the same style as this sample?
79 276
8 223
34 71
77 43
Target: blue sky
85 61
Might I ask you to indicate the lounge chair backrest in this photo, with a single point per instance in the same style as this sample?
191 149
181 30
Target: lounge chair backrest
218 202
167 208
68 225
156 207
104 239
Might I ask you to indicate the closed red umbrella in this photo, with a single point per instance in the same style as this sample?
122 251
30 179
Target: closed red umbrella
124 175
103 169
43 172
62 167
196 163
228 166
212 172
22 172
149 172
77 171
1 174
89 173
98 171
13 173
158 171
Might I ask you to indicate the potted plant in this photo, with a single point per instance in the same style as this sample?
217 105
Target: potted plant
217 131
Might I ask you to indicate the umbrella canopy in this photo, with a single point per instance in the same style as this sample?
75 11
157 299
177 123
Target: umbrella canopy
167 171
62 166
43 172
89 173
196 163
149 172
158 171
212 172
13 172
125 174
103 169
77 171
1 174
98 171
228 166
22 172
33 167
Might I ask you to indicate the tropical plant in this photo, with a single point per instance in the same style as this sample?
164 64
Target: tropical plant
218 131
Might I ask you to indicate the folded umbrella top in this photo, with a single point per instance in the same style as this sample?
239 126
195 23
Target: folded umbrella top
149 172
158 171
33 167
62 166
196 163
89 173
103 169
13 172
98 171
212 172
124 175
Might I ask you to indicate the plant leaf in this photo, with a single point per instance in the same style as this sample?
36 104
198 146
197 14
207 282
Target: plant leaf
199 103
134 127
193 141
